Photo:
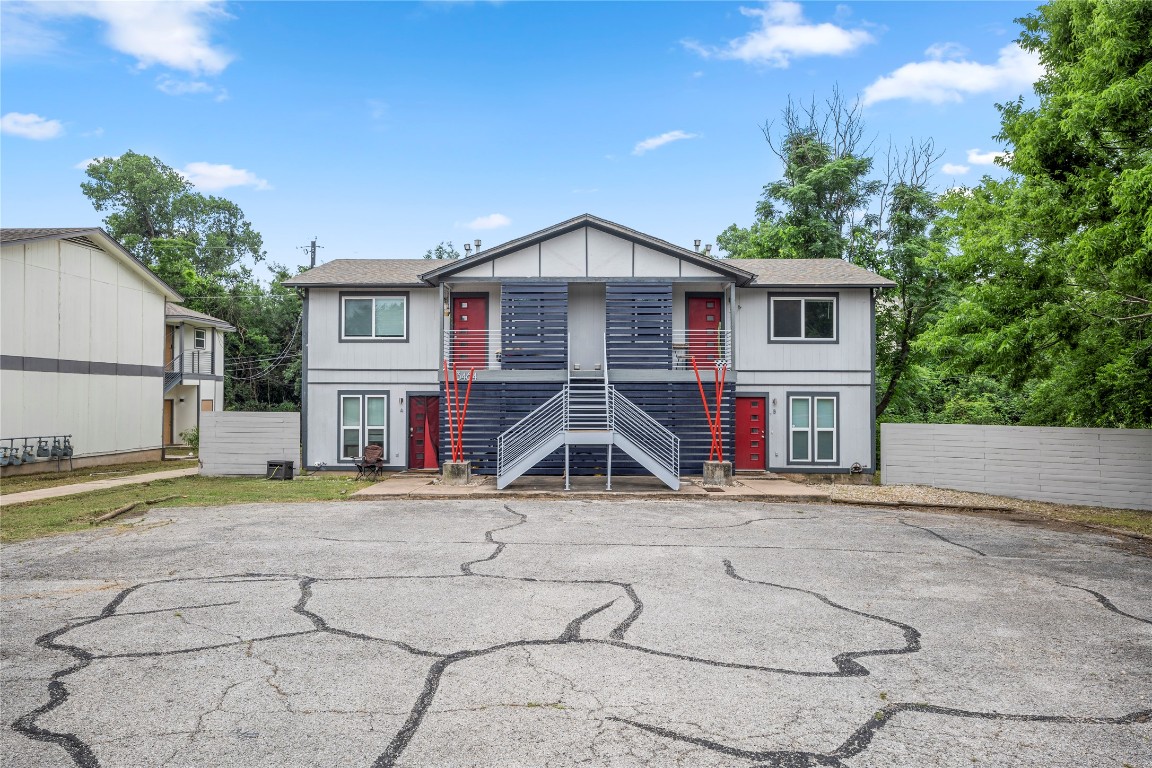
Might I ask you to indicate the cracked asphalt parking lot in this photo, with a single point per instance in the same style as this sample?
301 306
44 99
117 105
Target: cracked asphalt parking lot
564 633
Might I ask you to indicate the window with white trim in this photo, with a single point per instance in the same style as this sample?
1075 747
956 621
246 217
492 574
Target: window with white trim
802 318
374 317
201 339
363 421
812 425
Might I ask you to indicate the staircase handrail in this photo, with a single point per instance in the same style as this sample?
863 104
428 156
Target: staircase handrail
532 430
632 422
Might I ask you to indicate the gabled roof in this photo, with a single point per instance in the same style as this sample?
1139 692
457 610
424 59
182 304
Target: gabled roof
366 272
420 273
92 237
178 312
588 220
813 273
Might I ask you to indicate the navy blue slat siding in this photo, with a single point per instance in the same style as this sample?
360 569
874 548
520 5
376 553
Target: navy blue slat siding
638 322
534 326
496 406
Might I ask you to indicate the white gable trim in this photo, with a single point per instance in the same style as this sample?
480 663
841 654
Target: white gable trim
588 254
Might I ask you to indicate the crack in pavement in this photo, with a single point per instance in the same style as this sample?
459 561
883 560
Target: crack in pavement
847 664
861 738
942 538
1104 601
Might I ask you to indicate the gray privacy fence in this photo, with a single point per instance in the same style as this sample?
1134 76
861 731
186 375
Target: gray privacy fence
242 443
1098 467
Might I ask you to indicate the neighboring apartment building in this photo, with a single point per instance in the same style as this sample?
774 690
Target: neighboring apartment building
193 369
83 346
582 336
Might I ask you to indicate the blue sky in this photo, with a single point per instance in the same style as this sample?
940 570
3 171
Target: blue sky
385 128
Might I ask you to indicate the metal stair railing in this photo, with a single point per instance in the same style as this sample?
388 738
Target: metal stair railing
173 373
627 419
532 431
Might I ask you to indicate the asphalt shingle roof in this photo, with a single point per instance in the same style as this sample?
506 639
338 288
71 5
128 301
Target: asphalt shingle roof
176 311
805 272
769 272
366 272
11 234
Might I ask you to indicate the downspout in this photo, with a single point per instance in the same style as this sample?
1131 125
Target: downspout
304 382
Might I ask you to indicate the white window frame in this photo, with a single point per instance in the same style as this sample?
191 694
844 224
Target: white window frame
834 300
199 338
362 427
345 298
812 398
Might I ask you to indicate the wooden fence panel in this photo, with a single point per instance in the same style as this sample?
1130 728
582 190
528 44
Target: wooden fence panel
1099 467
242 443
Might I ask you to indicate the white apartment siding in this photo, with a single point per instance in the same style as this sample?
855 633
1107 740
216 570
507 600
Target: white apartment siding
326 350
72 305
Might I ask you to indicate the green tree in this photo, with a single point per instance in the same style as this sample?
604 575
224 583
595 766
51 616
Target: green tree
442 251
184 236
817 208
205 248
1056 260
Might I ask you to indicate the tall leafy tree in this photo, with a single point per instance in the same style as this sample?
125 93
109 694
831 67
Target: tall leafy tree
1056 260
204 247
822 200
828 205
181 234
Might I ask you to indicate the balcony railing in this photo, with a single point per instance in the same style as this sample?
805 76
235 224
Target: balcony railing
706 347
472 349
192 362
483 349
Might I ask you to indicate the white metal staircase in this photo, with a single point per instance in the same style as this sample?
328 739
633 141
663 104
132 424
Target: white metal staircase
588 411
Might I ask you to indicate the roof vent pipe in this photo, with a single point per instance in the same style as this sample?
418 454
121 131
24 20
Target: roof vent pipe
477 246
708 249
697 242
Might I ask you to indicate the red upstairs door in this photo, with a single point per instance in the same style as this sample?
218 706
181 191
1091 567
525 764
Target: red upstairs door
423 432
751 434
470 331
704 324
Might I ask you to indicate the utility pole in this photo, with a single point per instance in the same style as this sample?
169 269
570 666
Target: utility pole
311 250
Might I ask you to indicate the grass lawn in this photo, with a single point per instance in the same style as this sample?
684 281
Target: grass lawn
52 479
75 513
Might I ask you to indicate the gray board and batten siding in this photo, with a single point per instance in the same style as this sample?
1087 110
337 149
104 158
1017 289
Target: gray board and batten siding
242 443
1096 467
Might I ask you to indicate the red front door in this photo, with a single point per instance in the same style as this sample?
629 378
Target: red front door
704 324
423 432
751 433
470 332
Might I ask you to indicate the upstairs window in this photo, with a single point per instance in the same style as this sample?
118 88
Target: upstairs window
201 338
802 318
375 317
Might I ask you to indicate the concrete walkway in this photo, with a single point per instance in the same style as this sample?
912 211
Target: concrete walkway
93 485
417 485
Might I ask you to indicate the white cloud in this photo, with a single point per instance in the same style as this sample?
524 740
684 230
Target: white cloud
938 81
213 177
659 141
955 169
176 87
491 221
154 32
30 126
785 34
976 157
945 51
